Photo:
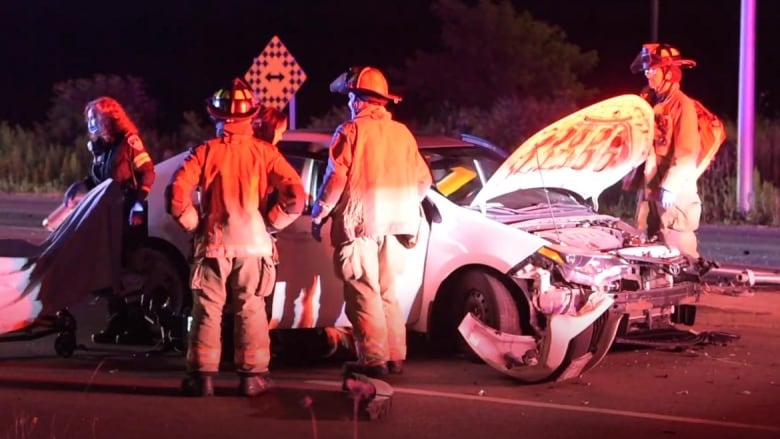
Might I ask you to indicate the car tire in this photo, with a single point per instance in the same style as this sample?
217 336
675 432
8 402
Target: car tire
488 299
166 297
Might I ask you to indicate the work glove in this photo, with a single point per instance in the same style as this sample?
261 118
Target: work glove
316 230
189 219
136 217
667 198
70 193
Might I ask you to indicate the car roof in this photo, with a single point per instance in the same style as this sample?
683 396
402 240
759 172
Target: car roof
323 138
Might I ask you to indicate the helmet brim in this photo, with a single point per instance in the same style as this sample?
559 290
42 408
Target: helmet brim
390 97
340 85
685 63
226 115
642 63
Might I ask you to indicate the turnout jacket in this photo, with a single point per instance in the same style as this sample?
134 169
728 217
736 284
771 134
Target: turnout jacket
673 163
375 180
234 173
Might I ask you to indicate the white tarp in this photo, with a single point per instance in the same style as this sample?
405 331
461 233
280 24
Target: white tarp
80 257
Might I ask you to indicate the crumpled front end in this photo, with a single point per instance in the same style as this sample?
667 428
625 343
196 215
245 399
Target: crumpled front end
570 305
579 302
571 344
655 279
660 289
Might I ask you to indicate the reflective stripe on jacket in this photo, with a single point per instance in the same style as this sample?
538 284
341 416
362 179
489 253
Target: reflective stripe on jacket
128 163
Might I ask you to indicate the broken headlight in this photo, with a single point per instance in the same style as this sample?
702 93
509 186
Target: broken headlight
586 268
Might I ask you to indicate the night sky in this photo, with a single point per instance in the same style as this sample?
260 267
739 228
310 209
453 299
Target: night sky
186 49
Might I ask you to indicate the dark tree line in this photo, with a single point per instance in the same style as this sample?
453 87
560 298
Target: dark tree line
495 72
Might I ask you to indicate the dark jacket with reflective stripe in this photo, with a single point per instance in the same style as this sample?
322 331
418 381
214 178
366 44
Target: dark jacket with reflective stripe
127 162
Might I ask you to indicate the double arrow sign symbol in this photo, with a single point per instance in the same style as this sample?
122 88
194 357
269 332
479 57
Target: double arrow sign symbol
277 76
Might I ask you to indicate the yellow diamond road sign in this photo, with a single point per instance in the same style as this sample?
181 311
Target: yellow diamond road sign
275 76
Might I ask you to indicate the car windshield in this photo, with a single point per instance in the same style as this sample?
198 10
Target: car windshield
460 173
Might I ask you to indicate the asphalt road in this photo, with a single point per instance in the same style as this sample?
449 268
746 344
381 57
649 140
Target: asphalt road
712 391
729 390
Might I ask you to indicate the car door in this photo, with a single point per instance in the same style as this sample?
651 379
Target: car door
308 293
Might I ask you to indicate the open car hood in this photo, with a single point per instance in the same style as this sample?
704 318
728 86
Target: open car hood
585 152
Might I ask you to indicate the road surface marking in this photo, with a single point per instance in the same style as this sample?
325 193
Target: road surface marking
573 408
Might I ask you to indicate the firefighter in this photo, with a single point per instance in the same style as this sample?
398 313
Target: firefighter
233 253
270 124
669 206
118 153
372 190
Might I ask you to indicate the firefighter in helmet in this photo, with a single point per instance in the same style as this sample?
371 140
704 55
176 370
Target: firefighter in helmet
669 206
372 190
233 253
118 153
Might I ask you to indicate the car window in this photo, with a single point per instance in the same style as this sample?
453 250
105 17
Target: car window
297 162
310 160
460 173
551 197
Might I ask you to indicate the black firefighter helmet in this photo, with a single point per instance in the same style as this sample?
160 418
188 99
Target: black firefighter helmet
234 102
659 55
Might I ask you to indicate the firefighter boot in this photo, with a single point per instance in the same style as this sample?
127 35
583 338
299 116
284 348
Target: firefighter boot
395 367
254 384
197 384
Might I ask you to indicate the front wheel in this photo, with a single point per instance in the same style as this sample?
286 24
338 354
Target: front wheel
489 300
165 295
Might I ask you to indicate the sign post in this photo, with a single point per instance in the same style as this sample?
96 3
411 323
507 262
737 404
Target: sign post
275 76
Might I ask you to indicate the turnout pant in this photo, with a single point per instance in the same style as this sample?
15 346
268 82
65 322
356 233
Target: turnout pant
369 267
248 281
677 225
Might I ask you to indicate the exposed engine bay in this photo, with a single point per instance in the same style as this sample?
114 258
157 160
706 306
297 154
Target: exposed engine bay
648 281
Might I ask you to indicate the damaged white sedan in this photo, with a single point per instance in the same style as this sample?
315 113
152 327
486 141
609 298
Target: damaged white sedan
512 255
596 278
